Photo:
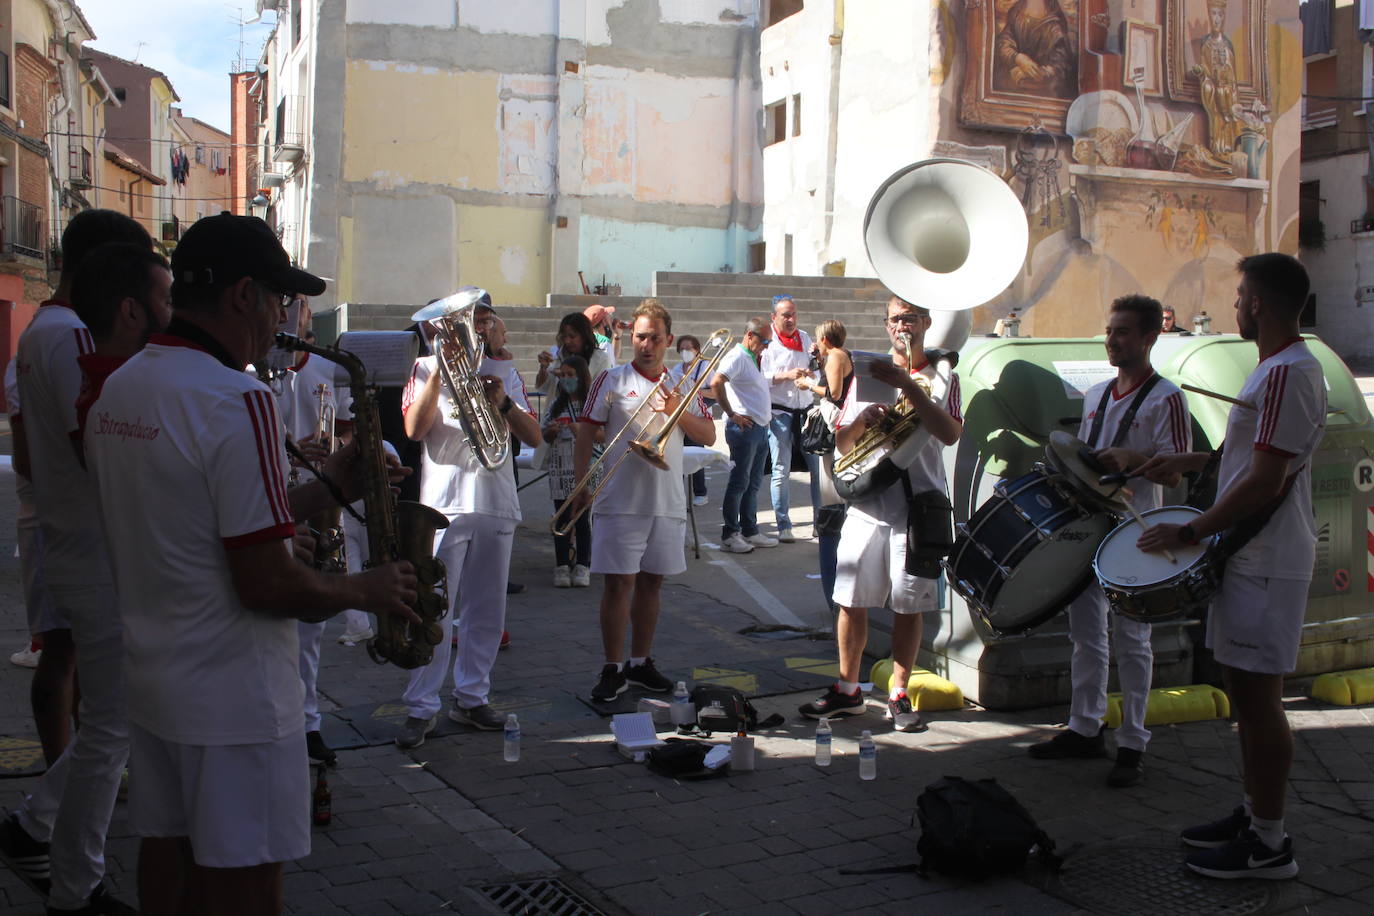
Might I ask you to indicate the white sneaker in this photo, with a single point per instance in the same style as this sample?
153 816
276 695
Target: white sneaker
760 539
353 637
581 576
736 543
562 577
699 500
27 657
785 536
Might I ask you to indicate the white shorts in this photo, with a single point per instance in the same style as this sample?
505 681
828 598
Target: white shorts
42 611
1255 624
871 565
240 804
627 544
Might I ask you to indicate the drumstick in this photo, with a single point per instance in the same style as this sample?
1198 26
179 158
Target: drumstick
1140 520
1220 397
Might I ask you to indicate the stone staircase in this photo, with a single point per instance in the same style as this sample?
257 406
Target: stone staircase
700 303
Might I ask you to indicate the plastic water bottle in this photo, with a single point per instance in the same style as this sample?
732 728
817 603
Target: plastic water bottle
682 713
512 749
868 756
823 743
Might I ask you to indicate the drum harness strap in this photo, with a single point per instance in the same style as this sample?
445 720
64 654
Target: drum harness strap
1124 427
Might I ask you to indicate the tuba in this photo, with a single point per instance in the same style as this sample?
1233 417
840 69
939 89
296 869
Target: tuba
395 530
947 235
458 353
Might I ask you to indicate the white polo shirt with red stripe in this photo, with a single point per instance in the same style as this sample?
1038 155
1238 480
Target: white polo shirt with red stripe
1288 392
189 463
451 478
927 472
637 488
50 380
1162 425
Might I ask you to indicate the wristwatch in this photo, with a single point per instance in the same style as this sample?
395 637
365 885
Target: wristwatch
505 408
1187 535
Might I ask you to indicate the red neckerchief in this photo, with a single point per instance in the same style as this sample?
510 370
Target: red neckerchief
791 343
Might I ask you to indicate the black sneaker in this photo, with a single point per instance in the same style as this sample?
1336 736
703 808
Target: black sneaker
1245 857
413 732
316 749
1129 769
611 685
647 677
834 703
1070 744
1217 833
101 903
904 718
26 857
483 717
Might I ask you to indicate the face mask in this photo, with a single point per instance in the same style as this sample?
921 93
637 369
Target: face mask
568 384
687 355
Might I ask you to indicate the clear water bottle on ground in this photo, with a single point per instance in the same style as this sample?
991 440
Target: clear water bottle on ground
868 756
512 748
823 737
682 712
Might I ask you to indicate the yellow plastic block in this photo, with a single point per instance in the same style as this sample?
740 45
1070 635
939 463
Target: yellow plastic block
1171 705
1345 688
928 692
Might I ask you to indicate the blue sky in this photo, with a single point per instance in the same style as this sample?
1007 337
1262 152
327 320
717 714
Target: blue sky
194 42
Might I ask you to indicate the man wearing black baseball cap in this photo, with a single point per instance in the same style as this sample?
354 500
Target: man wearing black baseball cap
186 450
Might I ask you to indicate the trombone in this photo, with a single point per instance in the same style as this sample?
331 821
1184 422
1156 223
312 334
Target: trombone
653 449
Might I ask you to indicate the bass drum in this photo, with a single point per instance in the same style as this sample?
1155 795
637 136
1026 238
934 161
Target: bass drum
1026 552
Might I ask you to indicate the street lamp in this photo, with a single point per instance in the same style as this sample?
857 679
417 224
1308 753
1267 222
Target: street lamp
258 204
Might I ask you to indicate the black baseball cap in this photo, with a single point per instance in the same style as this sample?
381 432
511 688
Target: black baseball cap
219 250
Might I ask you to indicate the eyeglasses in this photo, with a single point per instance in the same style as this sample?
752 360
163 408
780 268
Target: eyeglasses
905 318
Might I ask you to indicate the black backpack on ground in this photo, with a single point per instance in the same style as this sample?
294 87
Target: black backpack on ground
974 828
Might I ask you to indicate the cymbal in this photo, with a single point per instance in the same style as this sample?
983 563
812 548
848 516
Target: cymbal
1066 454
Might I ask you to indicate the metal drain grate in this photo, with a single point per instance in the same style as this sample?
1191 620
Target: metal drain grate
539 897
1150 880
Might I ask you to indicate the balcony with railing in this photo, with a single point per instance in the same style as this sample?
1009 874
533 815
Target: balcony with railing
21 228
288 138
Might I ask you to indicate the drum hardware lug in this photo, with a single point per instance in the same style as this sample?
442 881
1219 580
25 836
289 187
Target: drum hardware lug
1020 513
985 551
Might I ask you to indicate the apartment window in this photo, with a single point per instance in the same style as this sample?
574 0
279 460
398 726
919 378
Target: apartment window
200 154
6 49
123 191
1319 85
775 122
796 115
295 22
778 10
5 78
1311 232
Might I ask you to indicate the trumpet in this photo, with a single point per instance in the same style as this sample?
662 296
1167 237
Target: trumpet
329 536
458 355
652 450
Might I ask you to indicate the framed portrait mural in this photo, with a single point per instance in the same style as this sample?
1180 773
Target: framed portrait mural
1216 43
1022 63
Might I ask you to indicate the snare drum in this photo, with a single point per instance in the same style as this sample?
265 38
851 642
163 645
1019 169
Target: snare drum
1026 552
1146 586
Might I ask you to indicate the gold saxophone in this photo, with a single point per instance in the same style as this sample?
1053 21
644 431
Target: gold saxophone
396 530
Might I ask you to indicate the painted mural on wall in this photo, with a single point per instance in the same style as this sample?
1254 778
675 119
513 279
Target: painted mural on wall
1144 129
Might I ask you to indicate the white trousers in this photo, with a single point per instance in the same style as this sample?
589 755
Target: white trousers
1134 665
72 804
310 634
476 550
355 552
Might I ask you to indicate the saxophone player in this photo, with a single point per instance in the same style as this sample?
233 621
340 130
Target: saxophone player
186 453
483 509
872 555
313 415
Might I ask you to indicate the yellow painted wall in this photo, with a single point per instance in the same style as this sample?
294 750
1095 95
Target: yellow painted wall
31 23
406 124
505 250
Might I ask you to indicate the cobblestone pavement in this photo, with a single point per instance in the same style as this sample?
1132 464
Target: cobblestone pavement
424 831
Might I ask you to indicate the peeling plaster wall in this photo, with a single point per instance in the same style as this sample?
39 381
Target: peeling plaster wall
1340 268
511 144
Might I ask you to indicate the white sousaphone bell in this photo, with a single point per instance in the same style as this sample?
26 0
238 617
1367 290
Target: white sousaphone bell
946 235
